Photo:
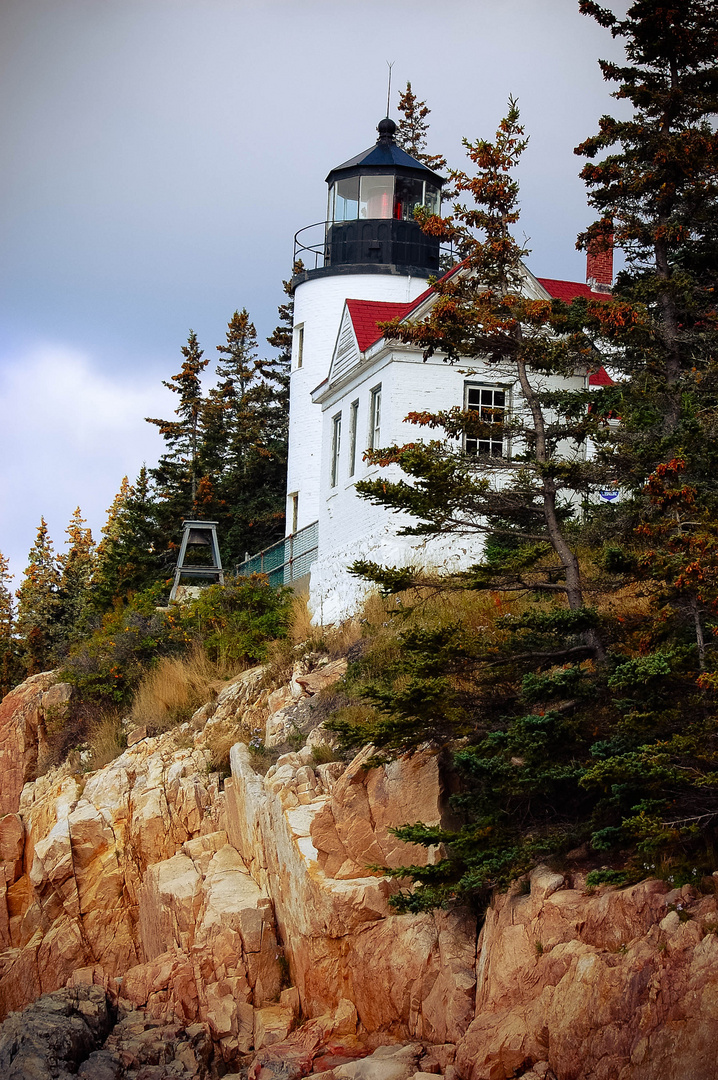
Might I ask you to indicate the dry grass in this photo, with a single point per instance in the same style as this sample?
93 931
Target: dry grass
300 624
106 740
175 688
219 740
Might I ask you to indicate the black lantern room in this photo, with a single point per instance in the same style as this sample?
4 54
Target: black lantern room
370 217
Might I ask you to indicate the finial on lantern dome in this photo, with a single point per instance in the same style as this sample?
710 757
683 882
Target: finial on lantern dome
387 130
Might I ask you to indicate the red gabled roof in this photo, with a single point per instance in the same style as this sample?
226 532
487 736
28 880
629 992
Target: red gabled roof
365 314
569 290
600 378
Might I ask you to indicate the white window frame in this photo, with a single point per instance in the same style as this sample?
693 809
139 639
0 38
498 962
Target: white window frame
353 423
336 448
298 346
294 507
483 389
374 441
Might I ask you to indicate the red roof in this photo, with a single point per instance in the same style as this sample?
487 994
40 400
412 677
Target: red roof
365 314
600 378
569 290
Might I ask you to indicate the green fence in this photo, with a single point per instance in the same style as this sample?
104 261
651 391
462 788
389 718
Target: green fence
287 560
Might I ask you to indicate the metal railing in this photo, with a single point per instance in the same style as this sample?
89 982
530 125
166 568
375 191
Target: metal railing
287 560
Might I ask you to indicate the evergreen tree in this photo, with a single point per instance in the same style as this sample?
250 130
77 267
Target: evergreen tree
10 669
254 393
38 606
128 558
76 569
412 128
656 189
621 751
480 312
178 472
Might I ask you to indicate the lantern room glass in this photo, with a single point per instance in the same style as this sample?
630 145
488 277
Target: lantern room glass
345 200
408 194
376 196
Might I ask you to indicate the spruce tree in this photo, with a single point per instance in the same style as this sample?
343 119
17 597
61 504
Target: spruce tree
38 605
76 569
10 669
480 311
129 557
621 751
412 128
254 393
178 472
653 179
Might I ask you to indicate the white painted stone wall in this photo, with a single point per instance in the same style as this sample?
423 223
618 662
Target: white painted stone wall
318 306
350 527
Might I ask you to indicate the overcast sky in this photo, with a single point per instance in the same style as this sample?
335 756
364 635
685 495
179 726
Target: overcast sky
159 155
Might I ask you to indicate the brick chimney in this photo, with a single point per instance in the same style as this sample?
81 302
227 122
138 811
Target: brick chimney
599 267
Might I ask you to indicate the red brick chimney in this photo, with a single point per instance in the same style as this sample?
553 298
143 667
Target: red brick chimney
599 267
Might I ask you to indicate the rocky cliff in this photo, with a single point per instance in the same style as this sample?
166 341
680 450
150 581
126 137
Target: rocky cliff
245 910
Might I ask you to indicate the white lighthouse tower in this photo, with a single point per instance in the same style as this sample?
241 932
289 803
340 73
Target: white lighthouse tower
369 248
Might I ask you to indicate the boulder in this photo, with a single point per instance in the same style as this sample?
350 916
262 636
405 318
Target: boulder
53 1036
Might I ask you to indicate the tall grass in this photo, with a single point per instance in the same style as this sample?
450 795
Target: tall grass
175 687
106 740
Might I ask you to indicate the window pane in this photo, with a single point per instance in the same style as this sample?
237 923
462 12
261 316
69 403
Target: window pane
408 193
376 199
346 199
432 199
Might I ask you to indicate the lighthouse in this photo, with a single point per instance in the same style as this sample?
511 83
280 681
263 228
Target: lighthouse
369 248
352 389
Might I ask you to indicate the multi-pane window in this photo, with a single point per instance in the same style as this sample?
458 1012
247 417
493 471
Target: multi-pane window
353 416
491 402
375 418
336 447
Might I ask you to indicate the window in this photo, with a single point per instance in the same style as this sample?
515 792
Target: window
376 197
336 447
299 345
294 510
432 198
353 415
408 194
344 198
491 402
375 418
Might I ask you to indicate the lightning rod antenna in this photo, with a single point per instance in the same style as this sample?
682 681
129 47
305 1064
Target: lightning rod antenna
388 93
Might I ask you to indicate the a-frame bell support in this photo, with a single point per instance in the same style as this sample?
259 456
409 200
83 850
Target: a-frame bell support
198 534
